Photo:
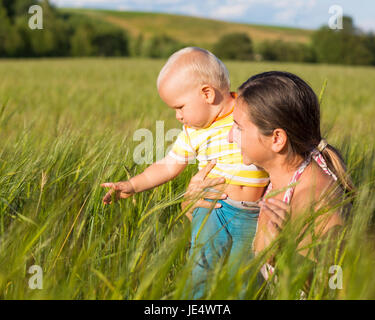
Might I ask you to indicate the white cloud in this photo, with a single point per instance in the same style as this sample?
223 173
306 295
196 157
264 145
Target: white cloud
287 15
188 9
288 4
77 3
289 10
123 8
304 13
230 11
282 10
81 3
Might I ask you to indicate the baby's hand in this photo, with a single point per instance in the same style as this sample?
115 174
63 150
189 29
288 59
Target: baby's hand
123 190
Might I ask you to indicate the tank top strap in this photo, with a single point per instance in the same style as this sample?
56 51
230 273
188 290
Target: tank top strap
319 159
289 192
269 188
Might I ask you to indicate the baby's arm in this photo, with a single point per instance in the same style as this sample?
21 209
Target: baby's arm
158 173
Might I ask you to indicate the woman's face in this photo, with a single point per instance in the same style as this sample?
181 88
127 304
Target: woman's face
255 147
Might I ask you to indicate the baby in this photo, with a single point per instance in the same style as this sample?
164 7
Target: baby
195 83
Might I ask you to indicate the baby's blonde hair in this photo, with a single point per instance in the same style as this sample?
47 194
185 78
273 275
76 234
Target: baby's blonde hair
205 66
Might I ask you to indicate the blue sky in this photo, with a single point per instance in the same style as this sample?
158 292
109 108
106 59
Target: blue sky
308 14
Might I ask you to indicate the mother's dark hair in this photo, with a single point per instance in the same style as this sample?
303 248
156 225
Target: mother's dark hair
277 99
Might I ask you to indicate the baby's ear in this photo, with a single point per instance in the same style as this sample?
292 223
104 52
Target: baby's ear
208 93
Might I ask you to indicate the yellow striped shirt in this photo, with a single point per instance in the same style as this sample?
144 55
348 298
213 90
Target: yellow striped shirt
212 143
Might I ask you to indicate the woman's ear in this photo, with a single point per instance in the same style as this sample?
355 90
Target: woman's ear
279 140
208 93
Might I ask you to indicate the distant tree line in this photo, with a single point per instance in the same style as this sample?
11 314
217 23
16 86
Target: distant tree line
346 46
62 34
343 46
77 35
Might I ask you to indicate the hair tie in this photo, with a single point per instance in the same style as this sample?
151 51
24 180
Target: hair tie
318 157
322 145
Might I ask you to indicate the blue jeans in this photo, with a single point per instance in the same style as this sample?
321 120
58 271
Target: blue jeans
226 232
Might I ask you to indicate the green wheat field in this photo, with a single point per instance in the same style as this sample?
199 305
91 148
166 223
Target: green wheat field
67 125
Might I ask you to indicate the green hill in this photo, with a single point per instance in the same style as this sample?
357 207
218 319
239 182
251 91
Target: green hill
191 30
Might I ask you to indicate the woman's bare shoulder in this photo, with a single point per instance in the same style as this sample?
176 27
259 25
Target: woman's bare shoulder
318 190
313 185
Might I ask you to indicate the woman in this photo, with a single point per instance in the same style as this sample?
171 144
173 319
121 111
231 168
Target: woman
277 126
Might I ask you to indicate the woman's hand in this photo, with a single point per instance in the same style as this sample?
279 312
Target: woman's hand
273 215
196 191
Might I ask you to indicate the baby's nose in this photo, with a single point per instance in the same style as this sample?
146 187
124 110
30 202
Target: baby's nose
179 117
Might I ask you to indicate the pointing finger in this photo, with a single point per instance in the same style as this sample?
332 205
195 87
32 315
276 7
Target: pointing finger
108 185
